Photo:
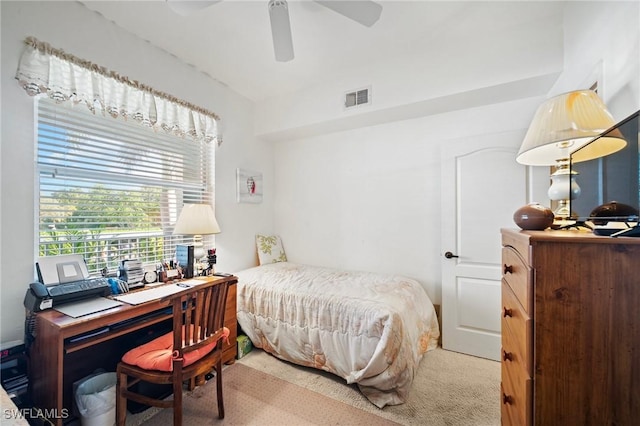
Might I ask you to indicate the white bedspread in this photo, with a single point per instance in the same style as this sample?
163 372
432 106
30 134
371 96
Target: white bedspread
370 329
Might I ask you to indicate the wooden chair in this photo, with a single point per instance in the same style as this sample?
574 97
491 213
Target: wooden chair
192 349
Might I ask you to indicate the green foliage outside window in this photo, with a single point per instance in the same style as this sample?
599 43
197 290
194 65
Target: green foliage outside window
92 222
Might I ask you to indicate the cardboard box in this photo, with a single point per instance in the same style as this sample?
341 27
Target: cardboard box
244 345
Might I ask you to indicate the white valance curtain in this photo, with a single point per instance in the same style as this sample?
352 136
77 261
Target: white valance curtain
65 78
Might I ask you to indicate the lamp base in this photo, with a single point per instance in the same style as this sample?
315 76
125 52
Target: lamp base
198 248
563 210
563 189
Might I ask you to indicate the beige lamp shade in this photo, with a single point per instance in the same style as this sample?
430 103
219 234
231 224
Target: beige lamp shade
196 219
566 123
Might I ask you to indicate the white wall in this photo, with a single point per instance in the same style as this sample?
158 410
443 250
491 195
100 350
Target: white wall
607 49
417 80
369 198
357 196
361 189
75 29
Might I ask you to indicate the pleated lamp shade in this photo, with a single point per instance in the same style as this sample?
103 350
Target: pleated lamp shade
197 220
566 123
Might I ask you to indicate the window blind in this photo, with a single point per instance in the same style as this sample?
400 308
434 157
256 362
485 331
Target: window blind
111 189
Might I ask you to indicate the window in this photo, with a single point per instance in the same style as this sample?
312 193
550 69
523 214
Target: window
112 189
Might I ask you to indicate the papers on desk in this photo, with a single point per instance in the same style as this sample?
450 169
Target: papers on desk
147 295
86 307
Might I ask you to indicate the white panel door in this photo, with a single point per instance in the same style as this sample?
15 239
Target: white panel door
482 186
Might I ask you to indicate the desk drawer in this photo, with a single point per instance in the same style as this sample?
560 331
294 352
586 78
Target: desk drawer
518 275
231 322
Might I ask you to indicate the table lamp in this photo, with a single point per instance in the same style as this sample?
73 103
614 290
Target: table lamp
197 220
560 126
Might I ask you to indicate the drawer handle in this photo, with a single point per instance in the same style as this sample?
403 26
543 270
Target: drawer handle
507 356
508 269
507 312
507 399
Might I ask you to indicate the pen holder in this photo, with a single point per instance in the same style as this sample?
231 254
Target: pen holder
169 275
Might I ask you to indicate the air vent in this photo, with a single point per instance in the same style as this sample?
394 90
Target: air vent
358 97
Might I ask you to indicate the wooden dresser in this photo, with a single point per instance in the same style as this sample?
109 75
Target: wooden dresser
570 329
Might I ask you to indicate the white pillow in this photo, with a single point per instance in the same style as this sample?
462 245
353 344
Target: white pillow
270 249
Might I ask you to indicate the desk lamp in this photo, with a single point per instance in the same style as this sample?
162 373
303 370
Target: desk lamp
560 126
197 220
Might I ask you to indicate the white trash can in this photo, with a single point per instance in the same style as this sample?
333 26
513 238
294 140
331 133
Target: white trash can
96 400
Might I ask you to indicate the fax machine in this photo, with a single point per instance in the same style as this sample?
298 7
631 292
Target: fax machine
63 279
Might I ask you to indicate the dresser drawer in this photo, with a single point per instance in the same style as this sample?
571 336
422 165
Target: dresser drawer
516 399
506 412
512 355
518 275
517 329
516 384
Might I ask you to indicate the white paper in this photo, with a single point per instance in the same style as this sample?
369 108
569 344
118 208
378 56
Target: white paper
154 293
86 307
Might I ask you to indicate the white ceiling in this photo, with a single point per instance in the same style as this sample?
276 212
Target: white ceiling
231 40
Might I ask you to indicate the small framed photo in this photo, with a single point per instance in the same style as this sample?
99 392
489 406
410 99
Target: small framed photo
249 186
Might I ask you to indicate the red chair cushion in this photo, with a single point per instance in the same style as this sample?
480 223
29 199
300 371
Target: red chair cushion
158 354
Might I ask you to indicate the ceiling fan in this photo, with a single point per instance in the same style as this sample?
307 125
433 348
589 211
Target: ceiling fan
365 12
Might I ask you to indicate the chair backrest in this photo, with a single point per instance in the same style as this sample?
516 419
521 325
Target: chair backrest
198 317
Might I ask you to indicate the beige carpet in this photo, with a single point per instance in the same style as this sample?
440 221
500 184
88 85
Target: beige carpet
449 389
258 399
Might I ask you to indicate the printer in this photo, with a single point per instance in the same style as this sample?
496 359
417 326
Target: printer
63 279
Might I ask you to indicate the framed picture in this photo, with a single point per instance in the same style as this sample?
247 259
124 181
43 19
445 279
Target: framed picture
249 186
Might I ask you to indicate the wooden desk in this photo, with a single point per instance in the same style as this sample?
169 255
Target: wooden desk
55 363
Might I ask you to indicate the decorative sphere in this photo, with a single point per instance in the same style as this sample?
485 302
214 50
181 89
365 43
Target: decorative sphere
533 217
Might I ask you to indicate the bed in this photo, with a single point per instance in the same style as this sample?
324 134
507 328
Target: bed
370 329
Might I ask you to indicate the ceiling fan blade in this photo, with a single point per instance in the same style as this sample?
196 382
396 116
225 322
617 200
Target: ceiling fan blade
187 7
364 12
281 30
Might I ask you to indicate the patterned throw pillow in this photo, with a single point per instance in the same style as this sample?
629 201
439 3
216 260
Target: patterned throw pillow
270 249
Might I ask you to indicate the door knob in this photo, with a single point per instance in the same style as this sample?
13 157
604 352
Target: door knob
449 255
